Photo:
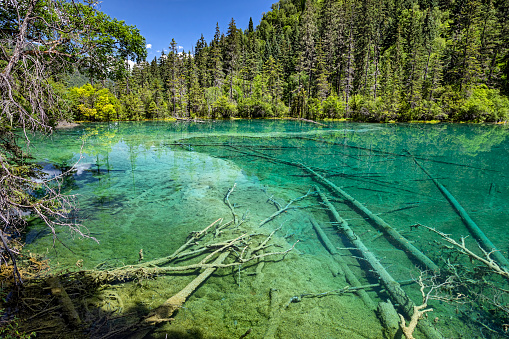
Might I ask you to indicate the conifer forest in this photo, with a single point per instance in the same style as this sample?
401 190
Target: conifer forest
364 60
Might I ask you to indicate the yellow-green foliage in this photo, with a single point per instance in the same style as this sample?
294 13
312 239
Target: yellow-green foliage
484 104
223 108
94 103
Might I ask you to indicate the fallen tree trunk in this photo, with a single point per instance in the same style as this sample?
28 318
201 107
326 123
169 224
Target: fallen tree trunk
68 309
350 276
164 312
391 232
310 121
478 234
394 289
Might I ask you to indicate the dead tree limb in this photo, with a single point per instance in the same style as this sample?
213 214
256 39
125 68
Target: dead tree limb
137 271
284 209
421 310
487 260
164 312
227 201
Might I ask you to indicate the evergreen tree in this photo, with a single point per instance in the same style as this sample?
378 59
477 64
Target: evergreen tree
308 31
216 59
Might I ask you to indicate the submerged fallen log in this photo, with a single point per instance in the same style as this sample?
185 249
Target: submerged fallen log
310 121
478 234
394 289
135 271
391 232
68 309
343 144
350 276
164 312
190 120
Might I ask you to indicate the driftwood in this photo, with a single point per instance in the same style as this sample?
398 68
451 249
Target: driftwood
478 234
394 289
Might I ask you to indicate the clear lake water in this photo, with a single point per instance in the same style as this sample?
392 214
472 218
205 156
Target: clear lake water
148 185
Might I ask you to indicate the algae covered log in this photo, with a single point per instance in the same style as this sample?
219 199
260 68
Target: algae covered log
475 230
350 276
391 232
393 287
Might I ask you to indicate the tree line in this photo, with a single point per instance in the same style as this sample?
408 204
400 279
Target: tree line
367 60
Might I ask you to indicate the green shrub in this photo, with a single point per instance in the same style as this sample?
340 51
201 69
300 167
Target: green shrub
483 104
369 110
333 108
223 108
254 108
314 108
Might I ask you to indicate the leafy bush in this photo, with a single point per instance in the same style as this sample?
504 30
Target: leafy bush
93 103
369 110
254 108
223 108
483 104
280 109
333 108
314 108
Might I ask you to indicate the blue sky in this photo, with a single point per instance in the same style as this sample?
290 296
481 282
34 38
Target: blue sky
184 20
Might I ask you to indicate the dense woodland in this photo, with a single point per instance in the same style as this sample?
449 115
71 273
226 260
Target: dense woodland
366 60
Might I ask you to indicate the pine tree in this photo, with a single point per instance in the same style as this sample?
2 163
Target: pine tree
321 73
308 31
172 77
232 53
463 64
194 92
201 56
412 21
250 28
272 72
216 59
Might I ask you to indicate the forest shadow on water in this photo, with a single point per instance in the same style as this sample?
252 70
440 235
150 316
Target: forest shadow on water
276 229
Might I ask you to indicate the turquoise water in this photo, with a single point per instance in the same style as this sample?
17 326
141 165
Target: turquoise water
148 185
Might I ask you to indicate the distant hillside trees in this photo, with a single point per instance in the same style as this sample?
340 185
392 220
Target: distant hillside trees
366 60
